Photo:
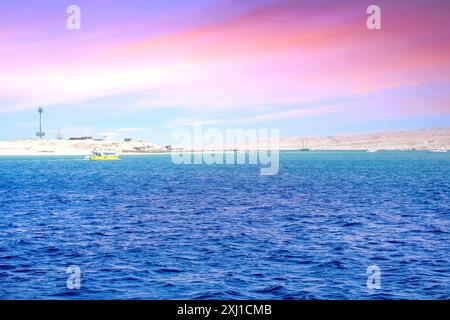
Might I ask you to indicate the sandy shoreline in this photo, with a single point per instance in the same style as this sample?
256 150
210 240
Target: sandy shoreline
424 139
421 139
31 147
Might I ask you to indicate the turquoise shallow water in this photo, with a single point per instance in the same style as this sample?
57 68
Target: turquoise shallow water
144 228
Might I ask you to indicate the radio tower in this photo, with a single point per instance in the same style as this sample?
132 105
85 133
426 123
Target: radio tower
40 134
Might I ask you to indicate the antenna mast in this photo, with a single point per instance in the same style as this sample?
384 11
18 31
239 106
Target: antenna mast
40 134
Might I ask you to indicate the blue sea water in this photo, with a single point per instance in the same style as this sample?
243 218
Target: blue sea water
144 228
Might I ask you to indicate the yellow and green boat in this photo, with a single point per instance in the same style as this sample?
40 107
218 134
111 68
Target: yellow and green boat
100 155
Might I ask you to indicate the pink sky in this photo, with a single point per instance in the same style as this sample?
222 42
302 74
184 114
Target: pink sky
220 55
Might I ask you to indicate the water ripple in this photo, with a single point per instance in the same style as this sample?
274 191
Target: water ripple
143 228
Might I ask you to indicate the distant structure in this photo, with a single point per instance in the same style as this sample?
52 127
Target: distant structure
304 147
40 134
59 135
81 138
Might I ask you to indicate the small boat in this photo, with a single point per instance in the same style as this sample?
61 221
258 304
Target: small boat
304 148
372 150
102 155
438 150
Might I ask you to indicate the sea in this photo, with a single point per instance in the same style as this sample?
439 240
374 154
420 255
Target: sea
328 225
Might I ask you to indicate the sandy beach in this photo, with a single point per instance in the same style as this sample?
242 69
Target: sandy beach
35 147
424 139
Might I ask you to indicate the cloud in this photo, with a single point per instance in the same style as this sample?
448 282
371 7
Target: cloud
241 56
129 130
114 133
261 118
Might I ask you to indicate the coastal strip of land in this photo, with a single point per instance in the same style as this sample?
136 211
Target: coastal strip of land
36 147
423 139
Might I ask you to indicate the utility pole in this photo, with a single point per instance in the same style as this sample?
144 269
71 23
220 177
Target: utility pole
59 136
40 134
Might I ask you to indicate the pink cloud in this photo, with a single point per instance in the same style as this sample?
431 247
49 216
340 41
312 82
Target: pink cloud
285 53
